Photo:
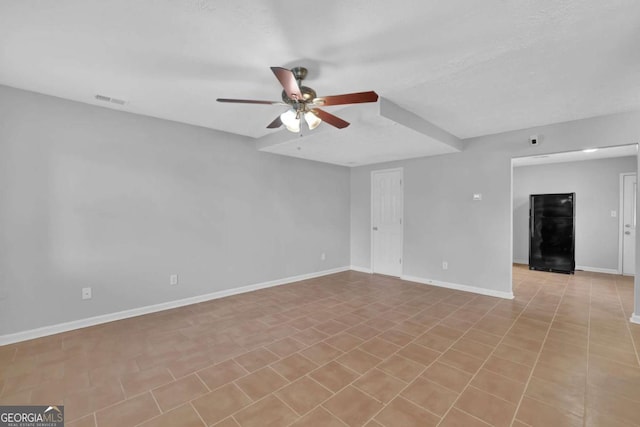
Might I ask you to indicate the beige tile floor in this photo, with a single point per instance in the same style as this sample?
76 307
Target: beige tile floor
351 349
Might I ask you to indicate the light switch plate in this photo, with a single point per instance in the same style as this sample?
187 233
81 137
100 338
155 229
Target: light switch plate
477 196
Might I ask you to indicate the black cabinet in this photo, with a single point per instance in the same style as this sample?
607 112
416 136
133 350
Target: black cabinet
552 232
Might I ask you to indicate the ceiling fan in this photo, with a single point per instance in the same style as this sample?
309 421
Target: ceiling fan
304 102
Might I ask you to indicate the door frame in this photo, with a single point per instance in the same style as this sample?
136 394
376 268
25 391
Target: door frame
621 220
373 172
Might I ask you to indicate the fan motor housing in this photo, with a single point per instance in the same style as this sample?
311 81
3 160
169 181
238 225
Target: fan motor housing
308 95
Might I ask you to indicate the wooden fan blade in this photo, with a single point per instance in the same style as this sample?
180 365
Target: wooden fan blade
249 101
347 98
288 82
275 124
330 118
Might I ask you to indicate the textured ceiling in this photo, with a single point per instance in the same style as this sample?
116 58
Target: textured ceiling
470 67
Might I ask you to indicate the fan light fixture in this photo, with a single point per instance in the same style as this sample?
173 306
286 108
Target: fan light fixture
291 120
312 120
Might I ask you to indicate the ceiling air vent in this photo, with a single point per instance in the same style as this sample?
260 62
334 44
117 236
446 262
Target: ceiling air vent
111 100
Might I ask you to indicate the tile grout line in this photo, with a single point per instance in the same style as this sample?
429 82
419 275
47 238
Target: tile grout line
170 373
356 379
627 324
586 379
513 419
491 354
156 402
326 388
133 396
278 398
190 403
125 398
360 375
232 415
472 416
484 391
202 381
427 366
124 393
241 390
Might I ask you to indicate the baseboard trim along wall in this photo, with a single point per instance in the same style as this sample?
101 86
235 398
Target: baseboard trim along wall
456 286
105 318
360 269
635 319
578 267
597 269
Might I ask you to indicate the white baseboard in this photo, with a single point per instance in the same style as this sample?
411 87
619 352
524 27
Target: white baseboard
360 269
578 267
466 288
105 318
635 319
597 269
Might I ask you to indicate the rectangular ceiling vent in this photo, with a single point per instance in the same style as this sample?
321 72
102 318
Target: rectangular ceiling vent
111 100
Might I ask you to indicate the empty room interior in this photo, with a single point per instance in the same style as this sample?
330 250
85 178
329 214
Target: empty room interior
331 213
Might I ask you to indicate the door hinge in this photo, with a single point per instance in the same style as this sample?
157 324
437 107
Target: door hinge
400 260
400 182
400 220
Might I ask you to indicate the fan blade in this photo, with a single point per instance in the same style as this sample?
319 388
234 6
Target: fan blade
330 118
249 101
288 82
347 98
275 124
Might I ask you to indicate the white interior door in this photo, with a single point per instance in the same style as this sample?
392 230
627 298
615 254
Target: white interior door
629 224
386 222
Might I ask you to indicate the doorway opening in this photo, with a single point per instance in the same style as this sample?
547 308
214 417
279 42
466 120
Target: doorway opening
604 223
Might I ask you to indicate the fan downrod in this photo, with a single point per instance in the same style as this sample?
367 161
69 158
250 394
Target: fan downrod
300 73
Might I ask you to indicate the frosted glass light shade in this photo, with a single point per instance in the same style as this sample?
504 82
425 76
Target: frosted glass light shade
290 120
312 120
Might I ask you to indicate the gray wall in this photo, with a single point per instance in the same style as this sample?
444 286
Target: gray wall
95 197
597 187
442 221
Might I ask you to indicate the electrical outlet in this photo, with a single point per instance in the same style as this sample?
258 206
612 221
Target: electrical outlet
323 256
614 214
445 265
86 293
173 279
